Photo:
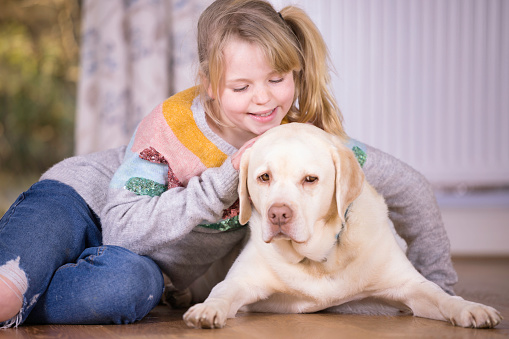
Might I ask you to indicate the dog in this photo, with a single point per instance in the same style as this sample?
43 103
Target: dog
319 237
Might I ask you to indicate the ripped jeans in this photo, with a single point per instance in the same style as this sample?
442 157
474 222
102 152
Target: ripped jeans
51 249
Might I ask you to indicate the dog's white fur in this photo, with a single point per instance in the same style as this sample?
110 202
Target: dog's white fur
305 256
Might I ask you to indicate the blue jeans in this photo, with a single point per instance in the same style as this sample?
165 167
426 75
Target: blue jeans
55 237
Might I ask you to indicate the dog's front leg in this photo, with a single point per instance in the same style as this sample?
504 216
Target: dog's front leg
428 300
213 312
244 285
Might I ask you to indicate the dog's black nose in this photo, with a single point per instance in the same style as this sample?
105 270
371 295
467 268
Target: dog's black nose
280 214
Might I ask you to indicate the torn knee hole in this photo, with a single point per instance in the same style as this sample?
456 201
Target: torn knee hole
14 278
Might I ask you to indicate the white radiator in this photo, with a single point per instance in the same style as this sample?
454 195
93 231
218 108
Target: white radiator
425 80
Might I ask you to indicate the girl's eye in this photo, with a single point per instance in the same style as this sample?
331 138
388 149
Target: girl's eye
310 179
276 81
240 89
265 177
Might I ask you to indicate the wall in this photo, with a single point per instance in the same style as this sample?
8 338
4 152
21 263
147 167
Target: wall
428 82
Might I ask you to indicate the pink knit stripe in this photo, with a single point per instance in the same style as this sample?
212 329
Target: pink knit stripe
155 132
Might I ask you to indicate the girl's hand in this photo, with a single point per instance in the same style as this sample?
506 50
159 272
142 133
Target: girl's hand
238 155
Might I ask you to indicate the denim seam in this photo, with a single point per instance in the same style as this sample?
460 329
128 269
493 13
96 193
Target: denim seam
101 250
11 211
90 259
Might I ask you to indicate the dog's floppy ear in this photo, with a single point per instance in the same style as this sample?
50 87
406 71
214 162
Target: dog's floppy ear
349 177
244 202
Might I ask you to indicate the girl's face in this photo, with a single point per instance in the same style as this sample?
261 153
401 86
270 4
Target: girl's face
253 97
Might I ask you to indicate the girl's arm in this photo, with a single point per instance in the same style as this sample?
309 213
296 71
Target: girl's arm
414 212
141 218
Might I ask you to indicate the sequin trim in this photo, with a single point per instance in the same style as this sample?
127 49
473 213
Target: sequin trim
233 211
230 219
173 181
360 155
225 225
150 154
142 186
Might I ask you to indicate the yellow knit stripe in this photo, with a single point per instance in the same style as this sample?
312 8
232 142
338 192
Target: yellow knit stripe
178 115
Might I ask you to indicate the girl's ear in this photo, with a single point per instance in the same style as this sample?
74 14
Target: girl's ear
209 92
206 84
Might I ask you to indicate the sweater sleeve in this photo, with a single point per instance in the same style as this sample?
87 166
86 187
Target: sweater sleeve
142 219
415 214
89 174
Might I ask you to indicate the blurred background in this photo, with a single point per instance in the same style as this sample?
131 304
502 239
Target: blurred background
426 81
39 63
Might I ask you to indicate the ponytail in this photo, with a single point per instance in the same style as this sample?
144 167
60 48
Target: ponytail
315 100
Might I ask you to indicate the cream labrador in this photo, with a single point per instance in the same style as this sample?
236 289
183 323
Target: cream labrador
320 237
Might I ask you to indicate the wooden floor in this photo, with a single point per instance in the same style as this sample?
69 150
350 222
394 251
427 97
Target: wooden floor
482 280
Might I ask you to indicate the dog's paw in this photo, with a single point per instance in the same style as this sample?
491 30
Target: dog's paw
205 315
476 316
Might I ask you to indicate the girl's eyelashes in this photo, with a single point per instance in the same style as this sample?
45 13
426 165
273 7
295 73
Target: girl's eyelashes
272 81
240 89
276 81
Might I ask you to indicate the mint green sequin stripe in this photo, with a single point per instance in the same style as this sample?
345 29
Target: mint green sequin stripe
142 186
359 149
360 155
225 225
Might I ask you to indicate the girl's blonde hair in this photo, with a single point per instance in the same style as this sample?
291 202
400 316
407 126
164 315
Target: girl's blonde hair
291 42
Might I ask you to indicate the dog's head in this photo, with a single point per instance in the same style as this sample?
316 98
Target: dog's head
297 178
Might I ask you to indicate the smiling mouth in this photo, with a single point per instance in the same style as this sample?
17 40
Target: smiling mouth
263 115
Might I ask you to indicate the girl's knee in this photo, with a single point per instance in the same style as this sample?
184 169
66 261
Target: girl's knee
13 285
11 300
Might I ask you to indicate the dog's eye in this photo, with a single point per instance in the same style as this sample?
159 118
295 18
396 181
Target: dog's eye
310 179
265 177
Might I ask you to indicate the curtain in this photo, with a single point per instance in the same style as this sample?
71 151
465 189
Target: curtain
134 54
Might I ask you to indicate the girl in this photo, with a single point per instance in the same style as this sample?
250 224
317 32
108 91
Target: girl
171 200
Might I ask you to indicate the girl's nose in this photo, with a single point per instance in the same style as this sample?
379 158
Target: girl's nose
261 95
